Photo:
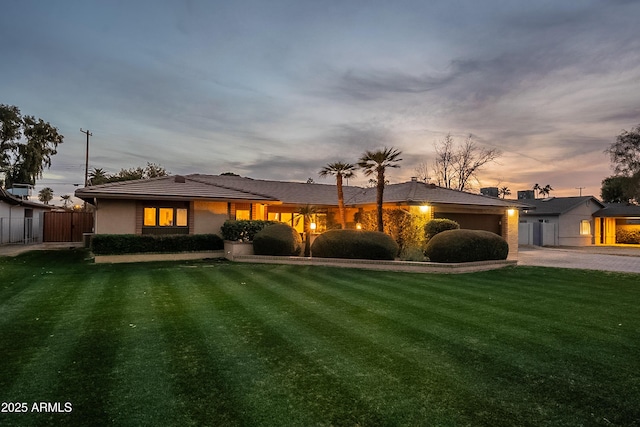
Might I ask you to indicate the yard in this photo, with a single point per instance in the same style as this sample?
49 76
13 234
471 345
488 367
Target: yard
222 344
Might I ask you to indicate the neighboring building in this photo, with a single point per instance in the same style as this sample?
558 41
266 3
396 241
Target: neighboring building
21 221
526 195
617 223
195 204
560 221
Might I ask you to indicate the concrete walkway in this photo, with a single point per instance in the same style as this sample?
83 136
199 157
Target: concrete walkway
606 258
18 248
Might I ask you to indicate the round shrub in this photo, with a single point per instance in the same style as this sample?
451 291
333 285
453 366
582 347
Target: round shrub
439 225
354 244
466 246
277 239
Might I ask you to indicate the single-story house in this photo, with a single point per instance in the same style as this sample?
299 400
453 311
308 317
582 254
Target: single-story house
559 221
617 223
21 221
199 203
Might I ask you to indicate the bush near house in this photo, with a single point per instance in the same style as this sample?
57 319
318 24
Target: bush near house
406 229
354 244
628 236
438 225
466 246
119 244
243 230
277 239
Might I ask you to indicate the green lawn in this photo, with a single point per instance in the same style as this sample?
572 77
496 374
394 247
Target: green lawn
215 343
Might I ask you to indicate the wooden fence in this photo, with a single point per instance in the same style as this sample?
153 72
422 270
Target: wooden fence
66 226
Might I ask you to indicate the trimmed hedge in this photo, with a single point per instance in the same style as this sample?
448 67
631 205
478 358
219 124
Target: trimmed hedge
119 244
354 244
277 239
438 225
243 230
466 246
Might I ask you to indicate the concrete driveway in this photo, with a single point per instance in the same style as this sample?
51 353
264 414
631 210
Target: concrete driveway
615 258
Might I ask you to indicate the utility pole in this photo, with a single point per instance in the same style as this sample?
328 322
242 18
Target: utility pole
580 188
86 160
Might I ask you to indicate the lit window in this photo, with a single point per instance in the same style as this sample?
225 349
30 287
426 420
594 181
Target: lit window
166 217
585 227
150 217
181 217
243 214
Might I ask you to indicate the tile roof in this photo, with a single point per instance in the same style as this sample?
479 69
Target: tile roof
618 210
13 200
416 192
557 205
227 187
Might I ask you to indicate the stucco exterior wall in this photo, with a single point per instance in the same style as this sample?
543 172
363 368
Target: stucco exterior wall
208 217
569 226
115 217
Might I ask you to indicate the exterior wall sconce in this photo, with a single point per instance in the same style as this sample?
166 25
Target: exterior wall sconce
425 208
312 226
358 226
511 212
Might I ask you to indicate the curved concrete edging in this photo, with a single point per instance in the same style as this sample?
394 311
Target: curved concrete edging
180 256
404 266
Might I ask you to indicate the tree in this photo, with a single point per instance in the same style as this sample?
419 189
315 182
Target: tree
546 190
376 163
340 170
504 191
45 195
66 200
307 214
620 189
26 145
455 165
625 152
98 176
542 191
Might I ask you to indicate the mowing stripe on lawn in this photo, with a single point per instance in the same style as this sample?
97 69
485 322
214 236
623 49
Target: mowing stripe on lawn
202 392
141 380
330 341
288 373
86 380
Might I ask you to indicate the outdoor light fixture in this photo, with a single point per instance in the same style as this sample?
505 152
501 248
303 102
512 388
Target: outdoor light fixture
312 226
358 226
425 208
511 212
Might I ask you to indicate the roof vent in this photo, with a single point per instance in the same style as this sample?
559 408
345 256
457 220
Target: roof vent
180 179
414 178
432 186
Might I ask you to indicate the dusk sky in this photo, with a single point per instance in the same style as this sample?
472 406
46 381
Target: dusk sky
278 89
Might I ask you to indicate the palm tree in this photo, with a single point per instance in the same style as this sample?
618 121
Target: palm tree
98 176
340 170
66 199
545 190
377 162
306 213
504 191
537 188
45 195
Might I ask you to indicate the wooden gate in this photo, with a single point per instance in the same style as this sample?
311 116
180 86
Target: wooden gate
66 226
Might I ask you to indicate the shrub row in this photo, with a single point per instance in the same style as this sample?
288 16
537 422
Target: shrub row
278 240
354 244
243 230
466 246
627 236
119 244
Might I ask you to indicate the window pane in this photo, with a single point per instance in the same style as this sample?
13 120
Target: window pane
149 217
243 214
181 217
166 217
